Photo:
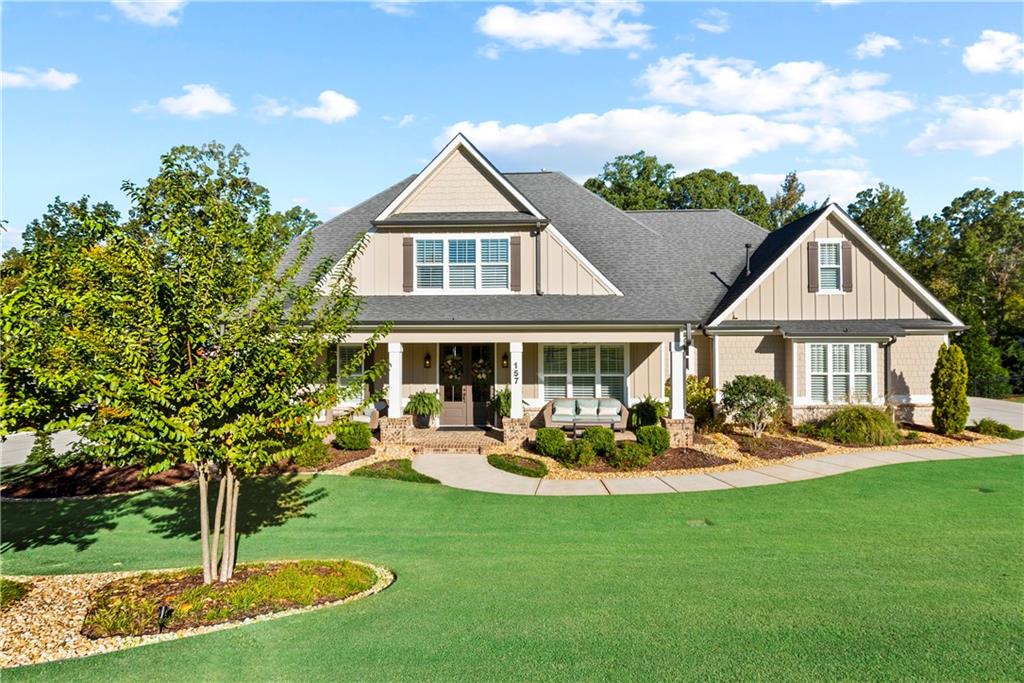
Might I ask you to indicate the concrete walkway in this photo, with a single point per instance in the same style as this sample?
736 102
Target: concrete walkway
472 472
1008 412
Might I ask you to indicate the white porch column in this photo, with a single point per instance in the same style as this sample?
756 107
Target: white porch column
395 379
515 372
677 357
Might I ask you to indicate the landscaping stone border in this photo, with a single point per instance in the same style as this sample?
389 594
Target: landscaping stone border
45 625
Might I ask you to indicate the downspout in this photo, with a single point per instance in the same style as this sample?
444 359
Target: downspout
887 368
536 257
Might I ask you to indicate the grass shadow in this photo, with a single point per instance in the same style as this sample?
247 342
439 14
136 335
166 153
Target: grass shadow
40 523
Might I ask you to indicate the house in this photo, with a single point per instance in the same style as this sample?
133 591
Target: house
531 282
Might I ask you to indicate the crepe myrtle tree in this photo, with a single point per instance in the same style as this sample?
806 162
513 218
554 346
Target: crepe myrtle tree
754 401
197 334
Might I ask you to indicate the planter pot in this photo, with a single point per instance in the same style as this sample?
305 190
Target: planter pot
421 421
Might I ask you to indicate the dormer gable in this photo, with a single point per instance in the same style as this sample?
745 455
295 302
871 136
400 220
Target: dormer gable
458 185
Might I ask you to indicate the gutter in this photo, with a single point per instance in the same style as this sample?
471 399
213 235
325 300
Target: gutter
887 367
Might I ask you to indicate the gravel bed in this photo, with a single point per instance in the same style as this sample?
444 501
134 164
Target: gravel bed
46 624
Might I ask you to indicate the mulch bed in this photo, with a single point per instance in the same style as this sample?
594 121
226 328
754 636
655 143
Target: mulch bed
90 479
672 459
339 458
773 447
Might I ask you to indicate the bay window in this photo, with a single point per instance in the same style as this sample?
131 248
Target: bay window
840 373
584 371
469 264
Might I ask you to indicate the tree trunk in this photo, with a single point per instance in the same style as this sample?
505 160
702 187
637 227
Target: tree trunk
217 515
234 528
204 524
227 564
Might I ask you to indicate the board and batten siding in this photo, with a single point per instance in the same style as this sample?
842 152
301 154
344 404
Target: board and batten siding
876 294
562 272
457 185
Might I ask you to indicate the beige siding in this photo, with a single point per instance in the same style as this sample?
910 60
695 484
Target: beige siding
913 359
562 272
531 358
646 371
784 296
702 345
415 377
457 185
751 355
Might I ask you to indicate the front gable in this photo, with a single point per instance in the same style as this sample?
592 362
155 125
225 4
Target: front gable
458 185
866 283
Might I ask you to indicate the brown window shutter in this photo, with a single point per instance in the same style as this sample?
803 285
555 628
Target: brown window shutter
847 266
515 263
812 267
407 264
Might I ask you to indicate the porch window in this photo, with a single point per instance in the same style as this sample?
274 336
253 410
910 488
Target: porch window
463 263
584 371
840 373
344 368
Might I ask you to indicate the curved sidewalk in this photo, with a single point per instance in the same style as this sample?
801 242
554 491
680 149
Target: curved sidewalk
472 472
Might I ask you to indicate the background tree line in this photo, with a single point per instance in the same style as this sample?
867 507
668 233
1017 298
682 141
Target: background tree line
970 255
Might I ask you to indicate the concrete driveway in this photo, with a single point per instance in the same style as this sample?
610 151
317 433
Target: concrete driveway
15 449
1007 412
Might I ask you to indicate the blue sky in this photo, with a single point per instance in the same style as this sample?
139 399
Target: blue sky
337 101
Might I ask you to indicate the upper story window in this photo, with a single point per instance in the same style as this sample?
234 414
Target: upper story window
468 264
830 267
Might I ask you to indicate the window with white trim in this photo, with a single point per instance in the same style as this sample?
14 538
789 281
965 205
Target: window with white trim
830 266
344 369
583 371
840 373
462 263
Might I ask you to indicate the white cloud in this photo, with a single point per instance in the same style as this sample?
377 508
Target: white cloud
995 51
985 130
490 51
796 91
270 108
332 108
838 3
151 12
51 79
199 100
580 143
713 21
581 26
875 45
400 8
838 184
406 120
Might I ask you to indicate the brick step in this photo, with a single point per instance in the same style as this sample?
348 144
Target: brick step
449 450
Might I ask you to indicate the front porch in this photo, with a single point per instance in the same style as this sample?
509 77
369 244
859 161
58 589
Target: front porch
465 370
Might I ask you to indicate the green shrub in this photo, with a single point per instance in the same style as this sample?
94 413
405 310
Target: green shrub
700 401
311 454
501 404
549 441
578 453
353 436
754 401
601 438
990 427
987 375
11 592
629 455
654 437
647 412
949 391
856 426
424 404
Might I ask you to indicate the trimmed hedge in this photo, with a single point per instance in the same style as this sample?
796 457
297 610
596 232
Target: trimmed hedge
628 456
601 438
654 437
578 453
353 436
549 441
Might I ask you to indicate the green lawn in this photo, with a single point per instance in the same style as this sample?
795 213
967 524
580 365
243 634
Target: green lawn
902 572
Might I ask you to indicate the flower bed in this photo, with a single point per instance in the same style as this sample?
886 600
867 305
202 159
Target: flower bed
90 479
518 464
400 470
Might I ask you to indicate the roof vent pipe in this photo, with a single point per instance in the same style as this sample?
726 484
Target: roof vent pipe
748 246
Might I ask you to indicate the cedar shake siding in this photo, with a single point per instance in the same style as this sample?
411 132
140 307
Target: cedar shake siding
457 185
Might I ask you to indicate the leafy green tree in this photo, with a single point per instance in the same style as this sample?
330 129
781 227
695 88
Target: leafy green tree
787 205
984 366
204 346
711 189
949 391
633 182
883 213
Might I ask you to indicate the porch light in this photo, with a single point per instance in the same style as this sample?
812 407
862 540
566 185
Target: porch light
504 360
426 360
163 613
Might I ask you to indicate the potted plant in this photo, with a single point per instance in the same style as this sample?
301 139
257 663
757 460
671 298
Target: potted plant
501 406
424 406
